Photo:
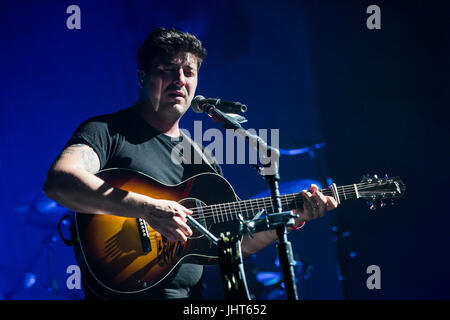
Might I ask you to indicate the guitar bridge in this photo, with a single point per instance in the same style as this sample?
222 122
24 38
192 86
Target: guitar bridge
144 235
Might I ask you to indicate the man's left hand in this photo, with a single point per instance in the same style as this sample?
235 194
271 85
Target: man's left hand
315 205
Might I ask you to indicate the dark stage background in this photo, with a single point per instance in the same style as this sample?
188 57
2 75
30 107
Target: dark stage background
376 99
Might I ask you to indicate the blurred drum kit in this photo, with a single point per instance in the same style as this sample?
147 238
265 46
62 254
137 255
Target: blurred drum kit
38 278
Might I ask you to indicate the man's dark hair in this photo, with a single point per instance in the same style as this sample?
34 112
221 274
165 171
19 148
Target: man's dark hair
162 44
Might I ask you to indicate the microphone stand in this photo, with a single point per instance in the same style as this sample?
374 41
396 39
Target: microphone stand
271 175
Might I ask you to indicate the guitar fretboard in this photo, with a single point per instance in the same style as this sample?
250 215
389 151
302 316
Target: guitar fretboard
230 211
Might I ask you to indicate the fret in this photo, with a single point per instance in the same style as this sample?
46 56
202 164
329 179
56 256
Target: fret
293 202
284 204
356 191
237 209
253 208
219 212
270 209
260 204
230 210
213 215
335 191
233 211
217 217
222 207
246 210
250 211
247 213
288 205
343 192
225 212
299 201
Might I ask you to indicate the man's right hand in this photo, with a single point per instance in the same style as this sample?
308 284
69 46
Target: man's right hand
72 182
169 219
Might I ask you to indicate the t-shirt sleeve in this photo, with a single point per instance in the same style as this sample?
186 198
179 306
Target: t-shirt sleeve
95 133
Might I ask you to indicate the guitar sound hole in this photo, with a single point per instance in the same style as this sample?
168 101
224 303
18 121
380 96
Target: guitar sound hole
199 215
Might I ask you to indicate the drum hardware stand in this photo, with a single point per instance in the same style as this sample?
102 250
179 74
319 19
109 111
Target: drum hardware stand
47 247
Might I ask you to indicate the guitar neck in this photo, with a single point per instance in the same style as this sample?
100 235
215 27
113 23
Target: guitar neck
230 211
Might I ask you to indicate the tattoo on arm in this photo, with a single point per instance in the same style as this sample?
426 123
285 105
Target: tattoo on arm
90 159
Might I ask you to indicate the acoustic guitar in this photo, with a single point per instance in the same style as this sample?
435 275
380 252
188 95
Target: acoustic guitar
126 256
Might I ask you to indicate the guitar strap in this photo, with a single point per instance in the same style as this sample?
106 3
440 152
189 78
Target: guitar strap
199 150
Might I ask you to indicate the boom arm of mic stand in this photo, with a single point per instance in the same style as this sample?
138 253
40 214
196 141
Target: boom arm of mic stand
229 122
255 141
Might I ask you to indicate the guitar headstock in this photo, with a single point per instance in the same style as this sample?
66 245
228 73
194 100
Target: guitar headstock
378 191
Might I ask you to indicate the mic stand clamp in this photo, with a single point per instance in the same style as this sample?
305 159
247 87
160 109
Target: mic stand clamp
268 222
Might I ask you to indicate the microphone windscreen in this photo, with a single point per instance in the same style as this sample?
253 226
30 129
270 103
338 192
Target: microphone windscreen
195 104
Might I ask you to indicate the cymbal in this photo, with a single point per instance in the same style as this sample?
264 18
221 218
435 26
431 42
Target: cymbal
297 263
267 278
48 206
307 149
290 187
41 211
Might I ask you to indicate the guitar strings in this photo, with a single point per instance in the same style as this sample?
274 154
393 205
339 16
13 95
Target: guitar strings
292 196
297 197
222 208
223 213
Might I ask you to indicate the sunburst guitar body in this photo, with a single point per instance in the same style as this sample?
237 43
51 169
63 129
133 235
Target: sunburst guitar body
126 257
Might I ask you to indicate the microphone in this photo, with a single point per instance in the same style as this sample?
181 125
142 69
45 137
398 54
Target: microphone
199 104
